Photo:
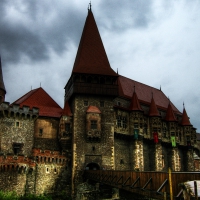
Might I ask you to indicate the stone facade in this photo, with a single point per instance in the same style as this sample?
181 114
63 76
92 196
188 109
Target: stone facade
31 160
103 126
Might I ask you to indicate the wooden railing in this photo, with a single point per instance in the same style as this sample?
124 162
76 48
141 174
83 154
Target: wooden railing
154 184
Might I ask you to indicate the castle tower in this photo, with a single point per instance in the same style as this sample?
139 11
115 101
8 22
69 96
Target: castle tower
91 72
2 86
90 92
136 118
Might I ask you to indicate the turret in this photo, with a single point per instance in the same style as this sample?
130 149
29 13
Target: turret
2 86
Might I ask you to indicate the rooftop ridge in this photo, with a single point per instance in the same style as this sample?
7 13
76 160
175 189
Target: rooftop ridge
91 57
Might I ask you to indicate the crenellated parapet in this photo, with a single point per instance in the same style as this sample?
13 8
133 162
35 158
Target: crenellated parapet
14 110
47 156
15 163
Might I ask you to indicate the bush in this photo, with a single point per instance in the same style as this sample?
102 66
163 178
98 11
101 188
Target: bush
8 196
14 196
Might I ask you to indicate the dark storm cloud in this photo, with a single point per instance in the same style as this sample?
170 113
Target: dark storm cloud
17 41
42 28
137 13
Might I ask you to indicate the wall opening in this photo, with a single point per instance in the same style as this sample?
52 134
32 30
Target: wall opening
92 166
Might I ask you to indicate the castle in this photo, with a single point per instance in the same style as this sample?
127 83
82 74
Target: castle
109 122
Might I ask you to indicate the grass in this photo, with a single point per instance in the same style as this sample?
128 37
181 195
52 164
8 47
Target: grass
14 196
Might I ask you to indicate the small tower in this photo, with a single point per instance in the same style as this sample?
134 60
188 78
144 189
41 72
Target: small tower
2 87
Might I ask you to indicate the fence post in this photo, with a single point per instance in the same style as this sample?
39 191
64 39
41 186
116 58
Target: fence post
170 184
195 190
165 195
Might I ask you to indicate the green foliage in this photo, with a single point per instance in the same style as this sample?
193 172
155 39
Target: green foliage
14 196
8 196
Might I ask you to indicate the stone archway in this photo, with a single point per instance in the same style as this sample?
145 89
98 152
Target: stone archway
92 166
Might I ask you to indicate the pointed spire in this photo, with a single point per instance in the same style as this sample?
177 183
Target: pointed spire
185 119
2 86
153 111
170 116
91 57
135 105
90 7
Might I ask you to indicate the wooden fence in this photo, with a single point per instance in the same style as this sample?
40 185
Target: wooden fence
152 184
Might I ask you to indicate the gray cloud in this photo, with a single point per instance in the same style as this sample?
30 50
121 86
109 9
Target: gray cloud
155 42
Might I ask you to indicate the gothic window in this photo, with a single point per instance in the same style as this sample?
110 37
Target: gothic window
67 127
145 128
93 124
40 132
124 122
85 103
121 122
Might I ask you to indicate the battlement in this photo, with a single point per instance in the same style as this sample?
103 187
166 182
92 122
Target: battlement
14 110
15 163
47 156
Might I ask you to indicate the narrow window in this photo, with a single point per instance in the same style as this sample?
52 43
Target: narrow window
119 124
40 132
124 122
17 124
93 124
85 103
67 127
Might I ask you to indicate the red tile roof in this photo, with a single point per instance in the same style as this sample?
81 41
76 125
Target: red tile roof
67 110
40 99
185 119
91 57
93 109
2 86
153 110
170 114
135 105
144 93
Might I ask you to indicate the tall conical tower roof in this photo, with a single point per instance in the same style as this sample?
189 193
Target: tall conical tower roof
2 86
185 119
135 105
91 57
153 110
170 114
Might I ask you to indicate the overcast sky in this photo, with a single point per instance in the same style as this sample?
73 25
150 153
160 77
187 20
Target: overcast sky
156 42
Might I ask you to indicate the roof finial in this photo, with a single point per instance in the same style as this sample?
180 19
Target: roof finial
90 6
117 70
183 105
160 87
134 88
40 84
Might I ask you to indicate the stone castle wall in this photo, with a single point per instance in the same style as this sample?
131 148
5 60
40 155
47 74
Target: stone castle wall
84 151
